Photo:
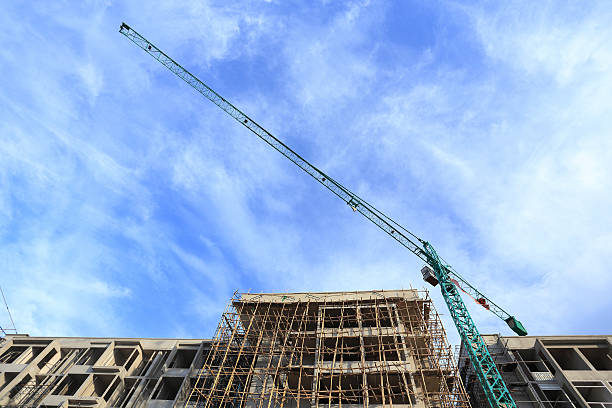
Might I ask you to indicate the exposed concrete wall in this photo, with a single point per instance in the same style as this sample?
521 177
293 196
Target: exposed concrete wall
408 294
97 372
349 349
541 371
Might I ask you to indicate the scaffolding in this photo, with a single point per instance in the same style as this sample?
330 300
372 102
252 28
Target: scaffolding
375 348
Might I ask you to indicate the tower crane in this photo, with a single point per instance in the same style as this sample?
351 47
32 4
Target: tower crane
436 271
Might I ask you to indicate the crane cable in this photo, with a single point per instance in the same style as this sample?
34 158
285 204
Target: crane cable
9 313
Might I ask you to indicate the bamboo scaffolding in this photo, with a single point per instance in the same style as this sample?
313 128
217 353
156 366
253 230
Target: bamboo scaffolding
383 348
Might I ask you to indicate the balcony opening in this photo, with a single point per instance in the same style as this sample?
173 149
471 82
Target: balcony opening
168 388
305 349
340 388
389 389
17 388
381 348
6 378
101 383
301 379
557 398
47 358
599 357
593 391
121 354
70 384
340 317
183 358
91 356
12 354
532 360
126 393
568 359
378 316
340 348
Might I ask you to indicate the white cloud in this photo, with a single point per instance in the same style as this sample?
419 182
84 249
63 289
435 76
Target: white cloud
325 64
91 78
562 41
147 191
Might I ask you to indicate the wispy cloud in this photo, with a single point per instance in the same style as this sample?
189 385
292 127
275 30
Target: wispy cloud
130 206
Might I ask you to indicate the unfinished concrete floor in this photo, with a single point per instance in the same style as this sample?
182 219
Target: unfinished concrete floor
548 371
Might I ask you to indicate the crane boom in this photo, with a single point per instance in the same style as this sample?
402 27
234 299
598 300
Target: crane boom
495 389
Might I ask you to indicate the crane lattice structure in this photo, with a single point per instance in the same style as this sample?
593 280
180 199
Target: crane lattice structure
495 388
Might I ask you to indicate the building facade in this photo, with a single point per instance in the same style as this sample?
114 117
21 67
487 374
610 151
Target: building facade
97 372
548 371
351 349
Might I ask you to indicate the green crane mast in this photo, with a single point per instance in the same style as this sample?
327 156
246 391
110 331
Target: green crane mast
438 271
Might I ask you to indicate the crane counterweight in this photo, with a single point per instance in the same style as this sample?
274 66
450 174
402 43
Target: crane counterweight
428 275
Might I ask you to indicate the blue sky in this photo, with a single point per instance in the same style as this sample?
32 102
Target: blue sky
131 206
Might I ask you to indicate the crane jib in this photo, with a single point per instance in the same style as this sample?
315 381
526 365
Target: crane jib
492 383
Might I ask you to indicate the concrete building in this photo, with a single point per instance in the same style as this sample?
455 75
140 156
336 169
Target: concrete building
97 372
366 349
548 371
349 349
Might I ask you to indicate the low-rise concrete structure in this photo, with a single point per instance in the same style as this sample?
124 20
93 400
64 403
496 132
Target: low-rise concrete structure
97 372
548 371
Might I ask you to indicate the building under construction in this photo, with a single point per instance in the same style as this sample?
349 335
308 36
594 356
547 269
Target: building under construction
376 348
548 371
97 372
